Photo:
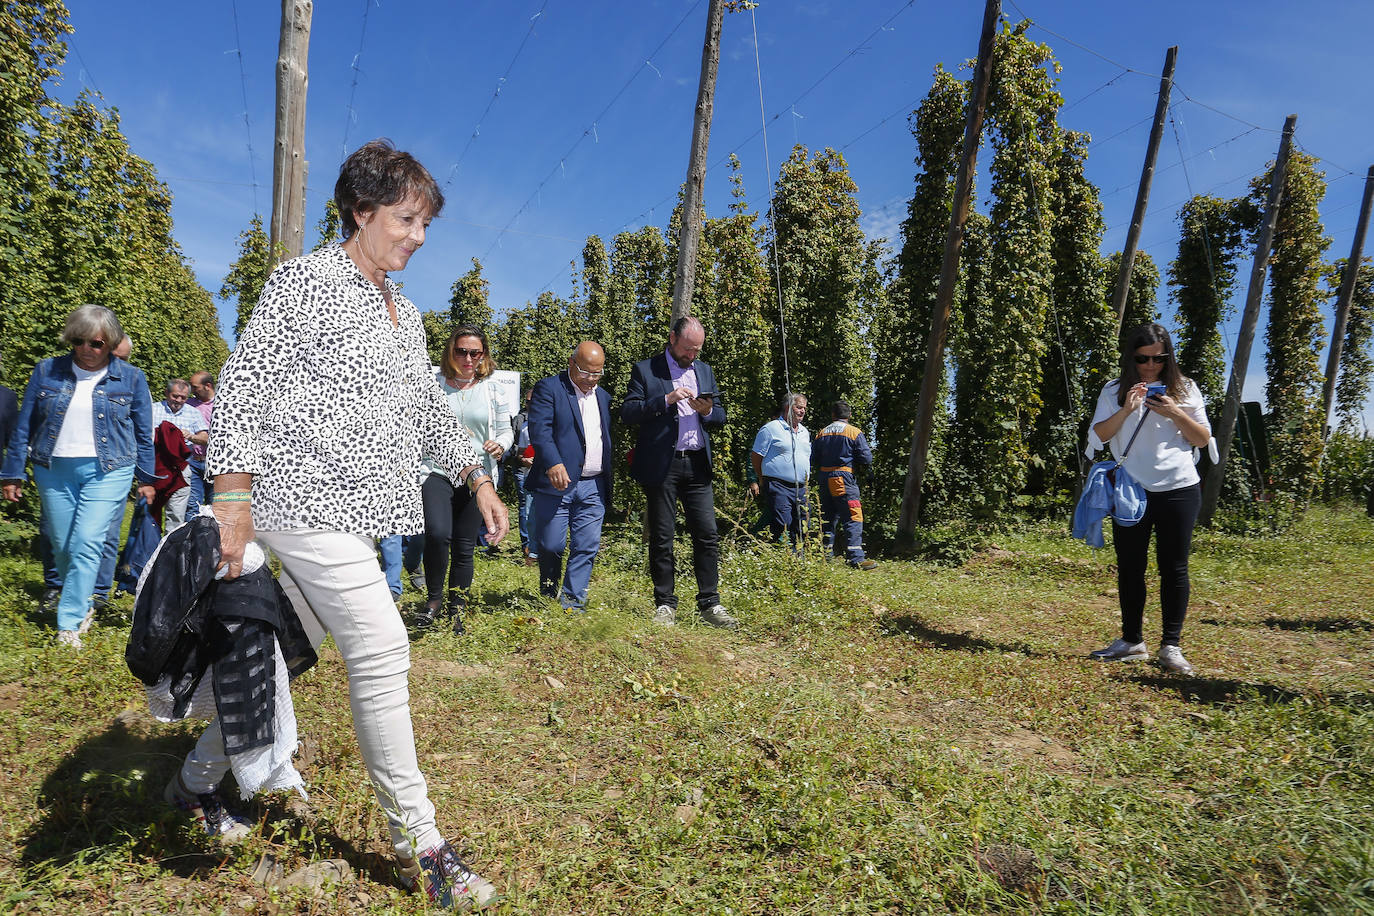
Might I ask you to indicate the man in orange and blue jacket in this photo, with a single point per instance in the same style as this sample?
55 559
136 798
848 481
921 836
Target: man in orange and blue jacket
838 450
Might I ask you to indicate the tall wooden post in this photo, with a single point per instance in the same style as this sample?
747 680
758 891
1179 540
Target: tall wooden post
949 275
1142 194
1352 271
1225 433
288 156
689 232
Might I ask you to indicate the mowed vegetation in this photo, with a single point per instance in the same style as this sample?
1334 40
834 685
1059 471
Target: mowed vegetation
922 738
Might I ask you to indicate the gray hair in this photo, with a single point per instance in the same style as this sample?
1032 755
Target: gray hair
789 401
177 383
87 322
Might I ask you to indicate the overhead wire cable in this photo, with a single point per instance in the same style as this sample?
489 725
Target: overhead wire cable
350 115
590 130
495 94
243 88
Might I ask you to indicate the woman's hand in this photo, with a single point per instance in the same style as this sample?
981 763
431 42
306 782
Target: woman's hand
1165 406
13 490
1136 396
494 514
493 448
148 492
235 521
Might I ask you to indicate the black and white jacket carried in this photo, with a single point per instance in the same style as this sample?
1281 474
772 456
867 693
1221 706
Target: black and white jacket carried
330 407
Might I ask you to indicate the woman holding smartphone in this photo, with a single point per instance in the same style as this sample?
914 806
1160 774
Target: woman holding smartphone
1167 407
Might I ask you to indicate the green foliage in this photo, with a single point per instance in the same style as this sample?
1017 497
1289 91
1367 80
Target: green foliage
329 230
1347 467
1002 344
738 309
436 335
85 220
1356 369
1081 353
1293 336
1142 293
468 300
535 340
248 274
1203 280
901 328
828 273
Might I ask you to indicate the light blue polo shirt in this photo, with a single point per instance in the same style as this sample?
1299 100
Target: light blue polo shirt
774 444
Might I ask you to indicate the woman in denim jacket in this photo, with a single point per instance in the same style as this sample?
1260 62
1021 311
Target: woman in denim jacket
86 424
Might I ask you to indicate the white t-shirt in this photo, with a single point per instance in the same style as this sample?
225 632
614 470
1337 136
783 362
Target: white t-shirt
1161 458
76 438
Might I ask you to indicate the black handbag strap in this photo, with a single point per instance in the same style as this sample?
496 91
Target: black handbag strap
1131 441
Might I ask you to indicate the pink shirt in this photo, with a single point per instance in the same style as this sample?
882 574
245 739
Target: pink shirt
690 436
205 408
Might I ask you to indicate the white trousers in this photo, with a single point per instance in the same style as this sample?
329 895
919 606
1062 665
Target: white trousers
336 585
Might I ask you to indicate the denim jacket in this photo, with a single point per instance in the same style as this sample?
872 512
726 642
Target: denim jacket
122 415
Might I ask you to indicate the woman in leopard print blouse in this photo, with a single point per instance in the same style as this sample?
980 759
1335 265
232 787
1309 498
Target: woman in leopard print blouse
321 416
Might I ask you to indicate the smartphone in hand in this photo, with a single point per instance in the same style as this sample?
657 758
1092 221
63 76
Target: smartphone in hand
1154 391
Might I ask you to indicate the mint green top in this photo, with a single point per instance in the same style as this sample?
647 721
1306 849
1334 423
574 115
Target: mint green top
483 413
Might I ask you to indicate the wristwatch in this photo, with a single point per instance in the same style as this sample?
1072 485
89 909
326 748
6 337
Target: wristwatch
476 477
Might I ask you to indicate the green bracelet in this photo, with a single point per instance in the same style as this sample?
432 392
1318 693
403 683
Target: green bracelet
235 496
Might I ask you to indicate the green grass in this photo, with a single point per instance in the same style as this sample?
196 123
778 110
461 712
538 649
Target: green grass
922 738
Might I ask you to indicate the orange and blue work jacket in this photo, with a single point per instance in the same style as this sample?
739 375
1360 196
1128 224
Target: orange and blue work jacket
837 449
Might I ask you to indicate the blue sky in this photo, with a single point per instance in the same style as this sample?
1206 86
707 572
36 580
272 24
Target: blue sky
590 129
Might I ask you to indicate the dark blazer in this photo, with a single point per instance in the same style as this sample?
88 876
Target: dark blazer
558 436
646 405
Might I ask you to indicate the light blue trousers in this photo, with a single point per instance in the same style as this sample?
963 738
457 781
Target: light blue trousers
79 500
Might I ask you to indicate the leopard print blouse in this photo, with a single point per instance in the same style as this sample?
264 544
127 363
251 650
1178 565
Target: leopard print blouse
328 406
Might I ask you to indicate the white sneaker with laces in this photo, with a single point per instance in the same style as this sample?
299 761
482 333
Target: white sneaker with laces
665 615
70 638
1171 658
1121 651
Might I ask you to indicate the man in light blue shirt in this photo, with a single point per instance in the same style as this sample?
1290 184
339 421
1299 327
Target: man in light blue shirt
191 422
781 455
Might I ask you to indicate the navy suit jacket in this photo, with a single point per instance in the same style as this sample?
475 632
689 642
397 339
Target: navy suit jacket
559 437
646 405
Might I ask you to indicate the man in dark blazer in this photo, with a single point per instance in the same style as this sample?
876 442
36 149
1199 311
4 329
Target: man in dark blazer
570 429
672 397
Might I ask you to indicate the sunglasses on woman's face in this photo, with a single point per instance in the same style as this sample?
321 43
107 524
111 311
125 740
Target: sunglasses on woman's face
95 343
1159 360
461 353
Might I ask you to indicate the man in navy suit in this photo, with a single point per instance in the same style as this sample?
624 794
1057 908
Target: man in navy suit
673 398
570 429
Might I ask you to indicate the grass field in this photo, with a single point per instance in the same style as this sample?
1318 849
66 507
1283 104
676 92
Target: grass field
920 738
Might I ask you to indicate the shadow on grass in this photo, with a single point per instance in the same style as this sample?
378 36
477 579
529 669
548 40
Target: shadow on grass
1320 624
908 625
105 799
1228 692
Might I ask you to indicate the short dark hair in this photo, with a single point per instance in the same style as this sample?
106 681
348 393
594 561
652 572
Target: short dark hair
379 175
841 410
683 323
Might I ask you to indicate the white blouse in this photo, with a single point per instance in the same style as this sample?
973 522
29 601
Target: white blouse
329 406
1161 458
76 436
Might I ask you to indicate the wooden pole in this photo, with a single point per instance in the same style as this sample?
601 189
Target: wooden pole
1142 194
689 230
1352 271
289 167
949 275
1211 489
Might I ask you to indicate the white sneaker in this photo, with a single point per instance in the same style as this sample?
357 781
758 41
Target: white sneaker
1170 658
665 615
69 638
86 623
1121 651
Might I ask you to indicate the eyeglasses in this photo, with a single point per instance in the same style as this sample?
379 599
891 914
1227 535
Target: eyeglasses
461 353
1159 359
586 374
95 343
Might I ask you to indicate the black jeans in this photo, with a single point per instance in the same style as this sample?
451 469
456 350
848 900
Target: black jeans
688 480
452 523
1171 514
